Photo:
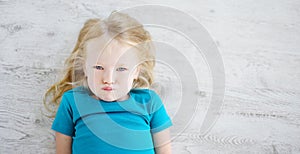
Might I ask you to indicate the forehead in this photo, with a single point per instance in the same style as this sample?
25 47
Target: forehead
103 50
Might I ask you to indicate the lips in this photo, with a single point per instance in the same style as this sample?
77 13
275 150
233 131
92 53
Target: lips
107 88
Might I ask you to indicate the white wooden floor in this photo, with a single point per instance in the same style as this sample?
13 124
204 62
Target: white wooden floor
259 42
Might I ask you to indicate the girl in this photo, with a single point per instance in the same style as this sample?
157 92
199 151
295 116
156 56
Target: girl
104 104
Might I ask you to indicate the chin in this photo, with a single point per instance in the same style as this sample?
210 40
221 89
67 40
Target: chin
112 99
108 99
112 96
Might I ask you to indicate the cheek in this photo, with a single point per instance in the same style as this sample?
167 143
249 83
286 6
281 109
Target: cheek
124 78
93 76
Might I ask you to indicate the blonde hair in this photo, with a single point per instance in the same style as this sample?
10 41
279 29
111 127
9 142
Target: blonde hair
122 28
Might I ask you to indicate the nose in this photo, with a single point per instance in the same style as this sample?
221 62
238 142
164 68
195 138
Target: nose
107 77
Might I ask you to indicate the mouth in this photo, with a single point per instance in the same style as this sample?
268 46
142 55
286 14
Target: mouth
107 88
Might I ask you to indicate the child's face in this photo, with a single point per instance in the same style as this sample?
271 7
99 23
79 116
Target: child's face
110 70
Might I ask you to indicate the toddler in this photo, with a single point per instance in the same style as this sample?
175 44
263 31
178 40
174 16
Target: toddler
104 104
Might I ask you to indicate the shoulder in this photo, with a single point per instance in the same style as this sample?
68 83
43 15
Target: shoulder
144 95
75 91
69 96
142 91
79 89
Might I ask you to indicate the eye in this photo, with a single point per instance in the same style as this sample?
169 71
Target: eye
121 69
98 67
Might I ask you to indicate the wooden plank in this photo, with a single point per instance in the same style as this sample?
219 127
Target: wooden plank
258 40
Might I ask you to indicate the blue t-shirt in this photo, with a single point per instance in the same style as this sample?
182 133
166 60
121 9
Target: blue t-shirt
98 126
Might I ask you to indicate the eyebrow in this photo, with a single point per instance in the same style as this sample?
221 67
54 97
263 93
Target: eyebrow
121 65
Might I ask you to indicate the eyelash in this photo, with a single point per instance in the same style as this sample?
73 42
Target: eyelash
98 67
118 69
123 69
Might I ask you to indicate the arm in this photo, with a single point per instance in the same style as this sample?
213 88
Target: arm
63 143
162 142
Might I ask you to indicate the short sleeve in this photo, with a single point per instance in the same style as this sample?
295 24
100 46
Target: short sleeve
160 119
63 121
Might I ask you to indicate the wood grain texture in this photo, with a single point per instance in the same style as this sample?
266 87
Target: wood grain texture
258 41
